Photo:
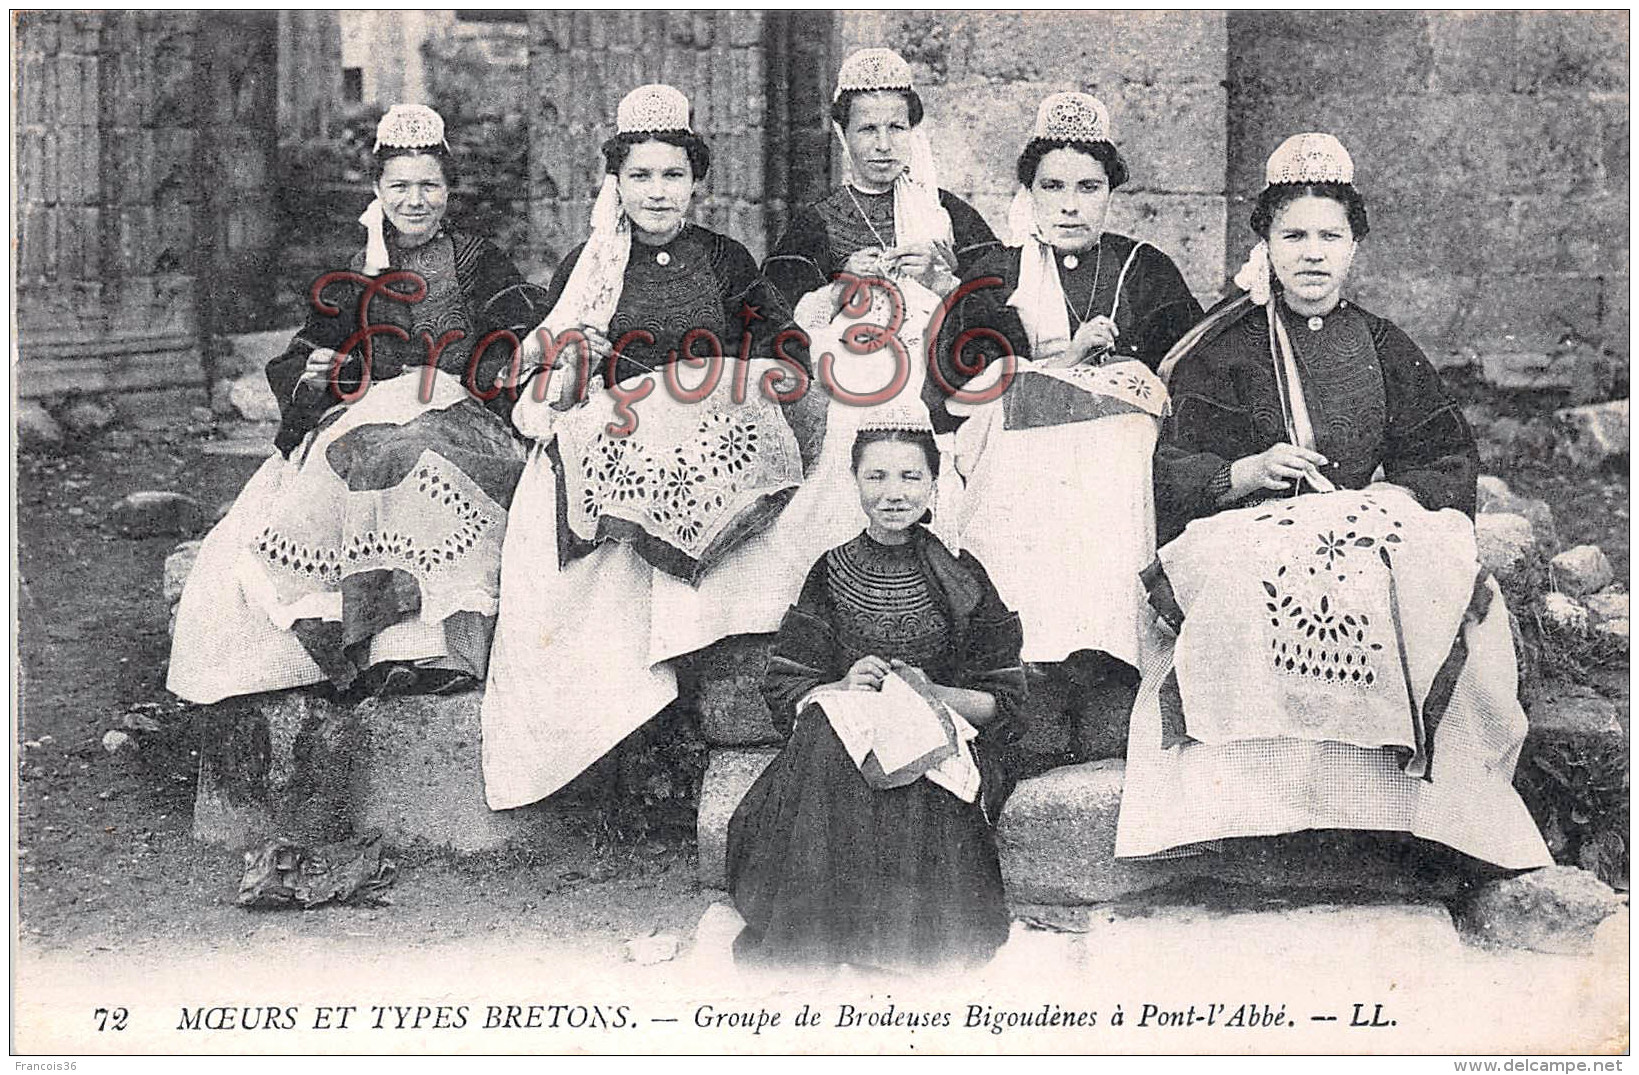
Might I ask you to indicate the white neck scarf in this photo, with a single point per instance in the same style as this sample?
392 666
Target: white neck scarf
375 247
917 215
1039 297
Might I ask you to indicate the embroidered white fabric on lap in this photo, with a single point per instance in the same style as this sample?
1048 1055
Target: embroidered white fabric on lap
691 476
1304 617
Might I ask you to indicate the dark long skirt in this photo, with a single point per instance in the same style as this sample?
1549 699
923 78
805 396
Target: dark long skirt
826 870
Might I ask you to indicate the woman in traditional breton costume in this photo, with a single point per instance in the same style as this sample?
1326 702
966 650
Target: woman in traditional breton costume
866 841
635 544
887 219
1329 653
1058 457
372 540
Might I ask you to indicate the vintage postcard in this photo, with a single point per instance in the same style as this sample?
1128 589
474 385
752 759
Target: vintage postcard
787 531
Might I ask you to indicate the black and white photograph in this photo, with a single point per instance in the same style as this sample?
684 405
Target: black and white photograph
790 531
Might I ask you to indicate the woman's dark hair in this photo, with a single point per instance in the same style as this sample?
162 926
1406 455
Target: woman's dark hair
843 106
1278 196
618 148
922 438
379 159
1105 153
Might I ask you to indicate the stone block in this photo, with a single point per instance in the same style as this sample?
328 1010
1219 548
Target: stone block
1575 717
154 513
1596 433
1056 838
1581 570
87 417
274 764
1564 614
419 777
1472 50
177 567
1142 46
727 678
1495 498
729 776
1506 543
1295 52
1556 909
1202 936
1189 228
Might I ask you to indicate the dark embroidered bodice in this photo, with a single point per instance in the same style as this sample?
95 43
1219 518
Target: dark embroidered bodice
884 606
445 308
848 226
1342 387
668 300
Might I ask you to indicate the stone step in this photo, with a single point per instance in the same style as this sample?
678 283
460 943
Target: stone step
729 776
294 764
1056 838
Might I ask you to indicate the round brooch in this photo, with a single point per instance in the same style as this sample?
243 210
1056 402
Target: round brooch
663 258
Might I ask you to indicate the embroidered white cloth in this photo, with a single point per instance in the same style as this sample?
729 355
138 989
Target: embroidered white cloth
1322 617
1177 799
690 481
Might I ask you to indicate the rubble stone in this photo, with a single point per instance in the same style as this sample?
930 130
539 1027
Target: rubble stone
1596 432
177 567
35 426
1582 570
152 513
1506 542
1556 909
1564 613
88 417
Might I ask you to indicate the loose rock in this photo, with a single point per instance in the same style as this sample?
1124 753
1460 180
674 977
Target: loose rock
152 513
88 417
1495 498
1609 610
1581 570
1563 613
658 948
1505 541
1556 909
114 742
35 426
177 567
1595 433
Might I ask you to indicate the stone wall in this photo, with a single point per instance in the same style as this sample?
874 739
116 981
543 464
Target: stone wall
1162 74
581 63
1492 148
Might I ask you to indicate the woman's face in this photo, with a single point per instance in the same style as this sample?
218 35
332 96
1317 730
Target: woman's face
1311 247
414 195
656 185
1071 194
879 138
895 486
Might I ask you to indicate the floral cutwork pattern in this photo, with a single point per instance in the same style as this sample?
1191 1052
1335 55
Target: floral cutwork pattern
1317 628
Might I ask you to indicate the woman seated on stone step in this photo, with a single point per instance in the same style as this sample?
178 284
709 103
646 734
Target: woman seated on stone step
888 219
855 846
640 529
366 553
1328 652
1057 443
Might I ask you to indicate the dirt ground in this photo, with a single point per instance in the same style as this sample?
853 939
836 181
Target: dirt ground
106 861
